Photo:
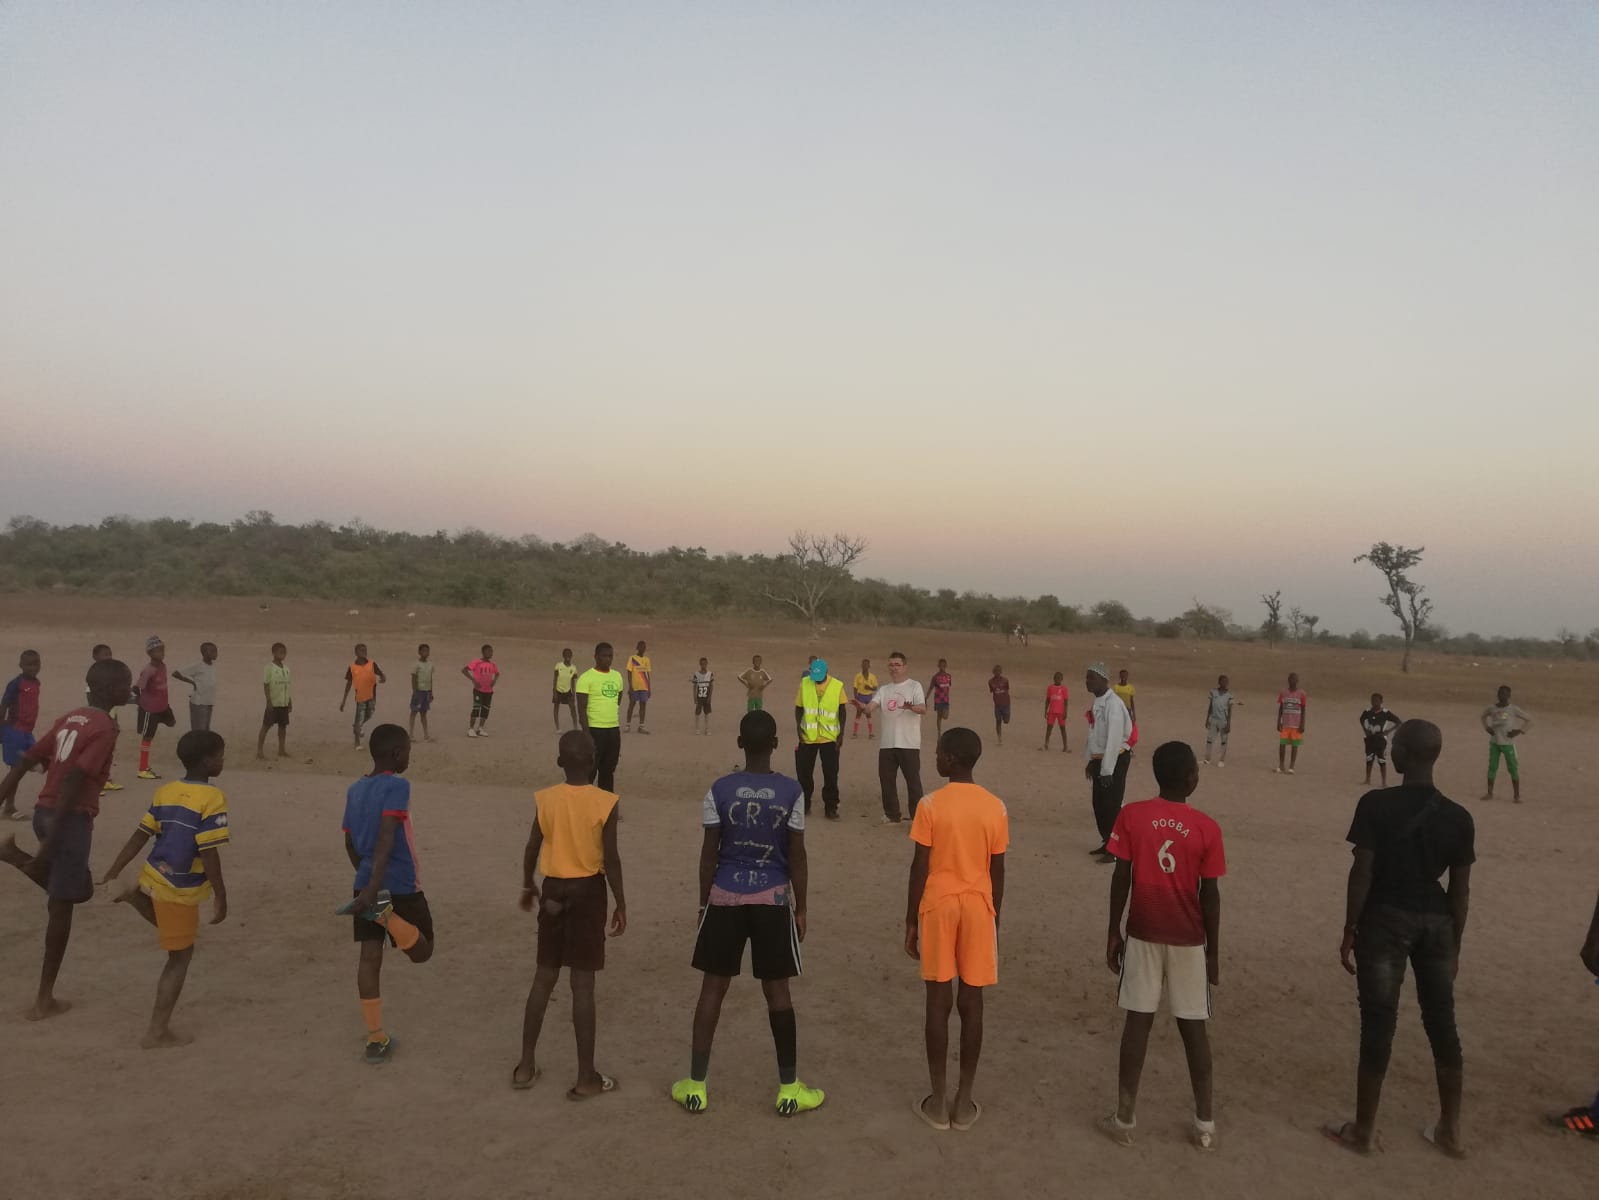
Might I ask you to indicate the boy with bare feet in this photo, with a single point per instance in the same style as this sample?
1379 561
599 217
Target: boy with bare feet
1056 696
78 752
753 874
1375 724
573 842
1168 859
421 691
389 902
189 821
957 886
276 686
1293 719
938 688
1405 838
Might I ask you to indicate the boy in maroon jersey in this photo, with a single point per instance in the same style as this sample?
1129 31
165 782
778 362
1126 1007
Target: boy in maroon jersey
78 749
1169 857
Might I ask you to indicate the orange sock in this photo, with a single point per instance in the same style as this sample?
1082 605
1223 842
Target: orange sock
372 1010
404 933
144 756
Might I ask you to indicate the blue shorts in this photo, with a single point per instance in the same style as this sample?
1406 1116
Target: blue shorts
14 743
421 702
638 696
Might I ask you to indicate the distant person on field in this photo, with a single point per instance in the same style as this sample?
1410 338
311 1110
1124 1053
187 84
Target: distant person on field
389 903
599 708
639 672
155 708
1128 694
1397 913
421 691
753 874
102 653
1056 696
1219 707
957 887
901 702
276 684
77 755
1168 859
999 692
755 680
484 672
1504 722
1293 719
202 680
865 688
938 689
189 822
19 714
363 675
1584 1119
573 844
563 693
703 682
1375 725
819 708
1110 726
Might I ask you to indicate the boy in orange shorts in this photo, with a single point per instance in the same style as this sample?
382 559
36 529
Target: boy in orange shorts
189 821
952 918
1293 719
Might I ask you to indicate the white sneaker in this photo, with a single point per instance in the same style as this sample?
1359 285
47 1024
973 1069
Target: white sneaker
1222 763
483 733
471 731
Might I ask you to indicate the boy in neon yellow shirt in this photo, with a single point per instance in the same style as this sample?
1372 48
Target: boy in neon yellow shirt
865 691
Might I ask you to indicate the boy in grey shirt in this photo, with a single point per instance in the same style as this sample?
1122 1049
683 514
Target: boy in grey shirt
1219 719
202 677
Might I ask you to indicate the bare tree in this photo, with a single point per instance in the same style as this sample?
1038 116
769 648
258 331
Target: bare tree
1302 624
812 567
1272 626
1406 599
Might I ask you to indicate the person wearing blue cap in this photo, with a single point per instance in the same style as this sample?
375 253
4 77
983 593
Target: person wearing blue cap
819 721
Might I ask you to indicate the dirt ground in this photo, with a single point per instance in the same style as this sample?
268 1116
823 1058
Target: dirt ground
272 1099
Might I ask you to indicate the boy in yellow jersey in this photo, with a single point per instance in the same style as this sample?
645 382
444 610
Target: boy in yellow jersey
564 694
865 688
1128 694
363 675
638 687
189 822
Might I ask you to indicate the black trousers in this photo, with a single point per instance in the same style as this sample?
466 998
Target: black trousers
1388 939
805 756
889 764
1108 792
607 753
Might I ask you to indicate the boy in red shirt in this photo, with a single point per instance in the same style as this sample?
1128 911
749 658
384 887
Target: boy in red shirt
78 752
155 709
1055 697
483 671
1169 857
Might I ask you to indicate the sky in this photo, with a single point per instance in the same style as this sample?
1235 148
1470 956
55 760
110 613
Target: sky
1145 301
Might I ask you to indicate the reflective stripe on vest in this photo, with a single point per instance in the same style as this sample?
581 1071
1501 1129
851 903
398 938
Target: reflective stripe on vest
821 711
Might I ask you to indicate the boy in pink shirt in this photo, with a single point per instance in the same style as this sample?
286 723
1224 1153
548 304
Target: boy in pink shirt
1055 697
483 672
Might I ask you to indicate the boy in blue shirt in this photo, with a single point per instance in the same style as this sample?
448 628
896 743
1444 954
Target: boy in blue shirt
389 903
753 875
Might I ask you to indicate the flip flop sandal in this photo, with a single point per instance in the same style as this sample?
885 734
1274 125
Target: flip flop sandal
916 1107
1430 1136
520 1085
963 1126
607 1084
1121 1134
1335 1131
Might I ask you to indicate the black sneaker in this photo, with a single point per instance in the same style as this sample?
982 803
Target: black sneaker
378 1053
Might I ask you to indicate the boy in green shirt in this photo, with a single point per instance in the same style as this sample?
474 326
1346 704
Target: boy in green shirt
421 690
275 684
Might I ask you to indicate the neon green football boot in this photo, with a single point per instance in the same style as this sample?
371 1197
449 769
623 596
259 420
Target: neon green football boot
691 1094
795 1098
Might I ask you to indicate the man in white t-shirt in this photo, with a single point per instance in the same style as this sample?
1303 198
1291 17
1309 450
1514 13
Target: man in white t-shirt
901 702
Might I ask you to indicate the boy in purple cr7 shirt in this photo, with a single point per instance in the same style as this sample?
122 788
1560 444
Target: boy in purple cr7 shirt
753 875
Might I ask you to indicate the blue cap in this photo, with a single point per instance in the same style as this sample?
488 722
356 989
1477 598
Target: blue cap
819 670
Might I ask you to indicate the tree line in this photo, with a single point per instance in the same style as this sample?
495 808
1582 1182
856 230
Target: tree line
812 580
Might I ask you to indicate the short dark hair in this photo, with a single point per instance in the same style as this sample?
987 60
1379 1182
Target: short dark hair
605 646
899 654
197 746
423 646
1173 761
27 654
963 745
758 729
386 740
99 646
203 645
486 647
279 646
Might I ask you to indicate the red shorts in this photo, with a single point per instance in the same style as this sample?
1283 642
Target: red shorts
1055 718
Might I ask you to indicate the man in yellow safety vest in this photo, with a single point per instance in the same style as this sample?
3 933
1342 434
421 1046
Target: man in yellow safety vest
819 721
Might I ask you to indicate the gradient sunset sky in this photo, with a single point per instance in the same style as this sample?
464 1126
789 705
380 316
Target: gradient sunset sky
1144 301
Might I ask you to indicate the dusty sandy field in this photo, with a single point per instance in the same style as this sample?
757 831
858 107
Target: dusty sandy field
273 1101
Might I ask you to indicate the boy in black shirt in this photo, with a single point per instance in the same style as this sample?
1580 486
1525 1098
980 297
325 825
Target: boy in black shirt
1584 1120
1405 838
1375 723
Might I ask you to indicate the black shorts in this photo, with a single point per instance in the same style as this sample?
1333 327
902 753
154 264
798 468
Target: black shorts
769 929
412 908
573 935
564 698
482 702
1376 748
69 878
702 704
275 716
149 722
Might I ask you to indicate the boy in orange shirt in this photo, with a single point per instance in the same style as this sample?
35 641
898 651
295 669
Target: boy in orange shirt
363 675
573 842
957 885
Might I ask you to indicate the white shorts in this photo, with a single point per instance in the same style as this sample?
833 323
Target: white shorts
1146 966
